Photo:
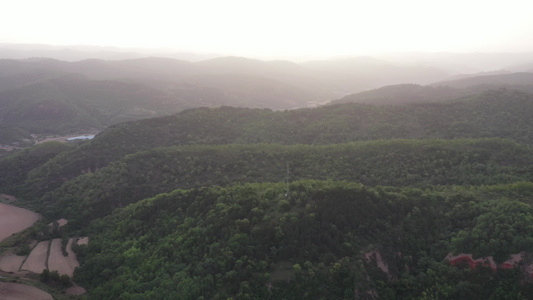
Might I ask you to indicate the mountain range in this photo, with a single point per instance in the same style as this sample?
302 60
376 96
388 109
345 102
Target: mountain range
44 97
228 177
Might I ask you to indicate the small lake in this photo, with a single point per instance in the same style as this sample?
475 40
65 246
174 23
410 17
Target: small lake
81 137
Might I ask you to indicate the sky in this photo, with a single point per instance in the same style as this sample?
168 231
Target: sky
274 28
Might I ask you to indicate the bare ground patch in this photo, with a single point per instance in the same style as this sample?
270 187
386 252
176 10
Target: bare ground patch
75 290
16 291
58 262
10 262
7 198
14 219
36 261
83 241
60 223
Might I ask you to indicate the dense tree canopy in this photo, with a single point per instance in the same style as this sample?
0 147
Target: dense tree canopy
252 241
339 202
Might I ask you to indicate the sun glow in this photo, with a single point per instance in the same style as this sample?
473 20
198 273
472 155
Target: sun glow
270 28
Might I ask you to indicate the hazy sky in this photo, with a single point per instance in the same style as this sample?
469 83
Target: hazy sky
274 28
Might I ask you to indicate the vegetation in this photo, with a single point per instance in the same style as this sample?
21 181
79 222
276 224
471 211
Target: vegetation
339 202
53 278
15 167
418 163
252 241
504 114
405 94
49 97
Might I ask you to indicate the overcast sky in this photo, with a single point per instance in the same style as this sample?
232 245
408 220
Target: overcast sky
274 28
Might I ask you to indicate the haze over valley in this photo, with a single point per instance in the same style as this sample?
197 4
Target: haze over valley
43 97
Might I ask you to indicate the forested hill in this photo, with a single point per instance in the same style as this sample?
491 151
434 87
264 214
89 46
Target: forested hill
501 113
325 240
468 86
337 202
520 79
73 102
15 168
62 103
43 96
405 94
421 163
47 97
50 97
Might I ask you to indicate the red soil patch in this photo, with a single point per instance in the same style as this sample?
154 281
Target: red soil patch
467 258
60 263
10 262
14 219
36 261
513 261
15 291
507 266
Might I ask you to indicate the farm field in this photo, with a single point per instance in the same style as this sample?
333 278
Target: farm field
45 255
10 262
60 263
14 219
36 261
15 291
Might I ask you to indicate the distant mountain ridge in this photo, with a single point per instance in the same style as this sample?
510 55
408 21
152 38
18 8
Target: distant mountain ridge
503 114
404 94
82 52
464 85
187 202
37 96
49 96
508 79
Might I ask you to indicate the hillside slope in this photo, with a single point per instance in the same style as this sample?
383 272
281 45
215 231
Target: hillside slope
404 94
503 114
395 163
515 80
328 239
336 202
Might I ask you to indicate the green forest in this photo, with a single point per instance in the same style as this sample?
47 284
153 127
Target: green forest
343 201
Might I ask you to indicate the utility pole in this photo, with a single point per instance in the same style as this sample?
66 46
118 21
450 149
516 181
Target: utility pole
287 194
